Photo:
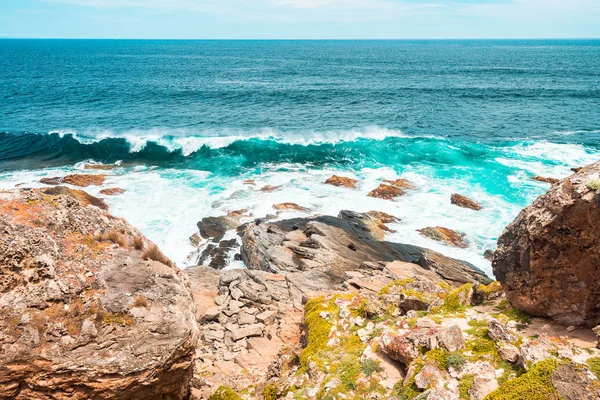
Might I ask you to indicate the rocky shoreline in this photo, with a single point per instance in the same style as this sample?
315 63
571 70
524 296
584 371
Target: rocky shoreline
325 309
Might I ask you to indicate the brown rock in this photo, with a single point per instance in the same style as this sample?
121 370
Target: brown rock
84 317
290 206
464 202
112 191
551 181
51 181
103 167
330 246
402 183
84 180
547 258
386 192
336 180
573 382
83 197
445 235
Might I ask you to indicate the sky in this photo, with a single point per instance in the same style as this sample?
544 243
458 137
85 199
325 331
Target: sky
300 19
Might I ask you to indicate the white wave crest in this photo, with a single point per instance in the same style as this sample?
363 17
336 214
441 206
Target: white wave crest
190 141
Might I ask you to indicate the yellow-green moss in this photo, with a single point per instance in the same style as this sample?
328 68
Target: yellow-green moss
405 392
464 385
594 184
536 384
224 393
271 391
511 371
452 302
439 357
400 282
492 288
318 328
594 364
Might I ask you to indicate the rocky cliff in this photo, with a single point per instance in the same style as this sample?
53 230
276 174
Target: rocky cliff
89 307
548 258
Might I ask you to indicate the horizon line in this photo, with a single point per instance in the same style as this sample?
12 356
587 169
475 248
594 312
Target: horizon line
294 39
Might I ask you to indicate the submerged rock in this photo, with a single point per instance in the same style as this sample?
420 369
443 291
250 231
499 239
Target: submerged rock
547 258
336 180
465 202
441 234
87 311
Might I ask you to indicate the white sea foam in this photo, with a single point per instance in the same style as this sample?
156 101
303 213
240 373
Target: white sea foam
165 204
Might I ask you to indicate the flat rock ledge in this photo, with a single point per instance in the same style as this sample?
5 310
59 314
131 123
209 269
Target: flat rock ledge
87 310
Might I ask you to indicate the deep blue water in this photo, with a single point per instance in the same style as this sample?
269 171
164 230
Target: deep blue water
477 116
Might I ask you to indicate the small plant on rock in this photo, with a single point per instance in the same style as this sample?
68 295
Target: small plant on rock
224 393
456 361
153 253
594 185
368 366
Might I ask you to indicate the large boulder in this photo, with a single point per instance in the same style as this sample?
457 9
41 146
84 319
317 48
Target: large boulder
328 246
90 308
548 257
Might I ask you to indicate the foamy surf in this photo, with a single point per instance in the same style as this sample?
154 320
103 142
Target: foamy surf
166 201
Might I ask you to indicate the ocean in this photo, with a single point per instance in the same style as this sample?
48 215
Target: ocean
189 121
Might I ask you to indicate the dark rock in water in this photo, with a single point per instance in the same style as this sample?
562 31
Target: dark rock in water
445 235
547 258
218 254
464 202
87 313
488 255
320 244
215 227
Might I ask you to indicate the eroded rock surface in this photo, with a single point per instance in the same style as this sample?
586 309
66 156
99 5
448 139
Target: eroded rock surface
86 311
328 246
548 257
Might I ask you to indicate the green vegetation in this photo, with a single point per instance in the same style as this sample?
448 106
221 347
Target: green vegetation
318 328
368 366
271 391
439 357
465 385
405 393
594 364
456 361
536 384
594 184
224 393
454 301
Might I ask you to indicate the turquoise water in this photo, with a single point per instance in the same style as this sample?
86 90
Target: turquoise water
188 121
